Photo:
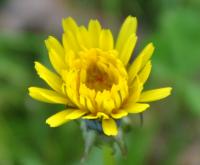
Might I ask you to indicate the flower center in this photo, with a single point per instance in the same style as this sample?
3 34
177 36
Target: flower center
98 79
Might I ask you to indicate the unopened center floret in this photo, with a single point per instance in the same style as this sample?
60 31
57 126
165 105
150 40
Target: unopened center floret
98 79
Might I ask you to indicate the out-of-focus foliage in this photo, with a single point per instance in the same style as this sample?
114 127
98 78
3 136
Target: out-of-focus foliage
178 41
170 134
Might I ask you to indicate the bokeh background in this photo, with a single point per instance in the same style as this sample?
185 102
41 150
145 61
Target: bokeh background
171 131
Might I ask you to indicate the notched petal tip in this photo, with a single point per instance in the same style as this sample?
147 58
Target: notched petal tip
69 24
32 91
37 65
94 22
168 91
68 19
49 39
151 45
29 90
50 124
131 19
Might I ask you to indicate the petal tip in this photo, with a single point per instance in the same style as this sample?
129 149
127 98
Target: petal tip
147 105
131 18
169 89
49 123
30 89
37 65
109 127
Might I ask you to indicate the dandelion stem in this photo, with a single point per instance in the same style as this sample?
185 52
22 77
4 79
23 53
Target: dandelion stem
108 156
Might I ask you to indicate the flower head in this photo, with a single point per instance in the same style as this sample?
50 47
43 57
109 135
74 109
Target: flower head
93 76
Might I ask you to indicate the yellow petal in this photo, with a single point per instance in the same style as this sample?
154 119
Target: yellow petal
146 54
127 49
75 114
53 43
134 69
109 127
119 114
90 117
83 75
145 72
46 95
69 24
108 105
94 29
85 102
99 115
128 28
89 105
99 99
51 78
57 119
69 58
115 93
82 37
102 115
155 94
57 61
70 42
106 40
123 90
140 62
135 107
71 80
135 91
87 97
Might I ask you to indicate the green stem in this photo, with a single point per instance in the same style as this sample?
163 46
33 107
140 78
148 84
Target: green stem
108 157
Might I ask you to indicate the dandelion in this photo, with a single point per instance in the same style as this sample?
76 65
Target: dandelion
94 79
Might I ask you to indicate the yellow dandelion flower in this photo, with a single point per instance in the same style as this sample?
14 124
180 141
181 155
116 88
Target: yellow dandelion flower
93 76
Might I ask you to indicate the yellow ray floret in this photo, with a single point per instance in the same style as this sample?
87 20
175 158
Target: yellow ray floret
93 75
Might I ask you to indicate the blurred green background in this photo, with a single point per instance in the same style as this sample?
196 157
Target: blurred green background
171 131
